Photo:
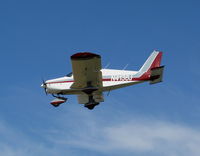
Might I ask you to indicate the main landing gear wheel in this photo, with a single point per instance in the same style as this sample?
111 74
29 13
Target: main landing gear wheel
91 106
91 103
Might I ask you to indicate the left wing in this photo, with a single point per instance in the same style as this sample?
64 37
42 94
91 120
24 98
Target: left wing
86 69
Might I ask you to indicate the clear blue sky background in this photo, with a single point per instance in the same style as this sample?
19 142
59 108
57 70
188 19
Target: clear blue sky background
37 39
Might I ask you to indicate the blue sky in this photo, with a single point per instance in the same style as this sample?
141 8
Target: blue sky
37 39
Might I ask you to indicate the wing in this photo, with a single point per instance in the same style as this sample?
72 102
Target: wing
86 69
84 98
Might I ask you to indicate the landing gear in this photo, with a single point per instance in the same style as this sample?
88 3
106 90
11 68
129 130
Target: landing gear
91 104
58 100
55 105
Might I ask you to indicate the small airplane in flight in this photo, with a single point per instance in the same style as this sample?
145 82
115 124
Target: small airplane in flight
88 80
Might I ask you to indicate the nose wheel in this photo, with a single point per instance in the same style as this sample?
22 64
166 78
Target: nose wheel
58 100
55 105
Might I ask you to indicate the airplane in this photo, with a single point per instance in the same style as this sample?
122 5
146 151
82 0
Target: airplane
88 80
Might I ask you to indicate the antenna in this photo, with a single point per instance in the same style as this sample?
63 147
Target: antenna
108 64
125 67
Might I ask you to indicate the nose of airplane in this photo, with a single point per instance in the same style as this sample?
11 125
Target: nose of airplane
42 85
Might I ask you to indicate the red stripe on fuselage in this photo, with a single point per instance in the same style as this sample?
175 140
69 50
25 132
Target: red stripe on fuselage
60 82
133 79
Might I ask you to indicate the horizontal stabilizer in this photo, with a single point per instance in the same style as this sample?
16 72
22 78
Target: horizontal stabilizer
156 75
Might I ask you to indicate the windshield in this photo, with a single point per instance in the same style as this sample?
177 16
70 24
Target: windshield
69 75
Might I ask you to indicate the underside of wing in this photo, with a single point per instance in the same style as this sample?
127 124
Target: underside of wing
84 98
86 71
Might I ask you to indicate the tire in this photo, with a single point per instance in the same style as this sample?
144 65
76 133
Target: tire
56 105
91 106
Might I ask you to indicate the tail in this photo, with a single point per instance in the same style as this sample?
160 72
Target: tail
151 70
153 61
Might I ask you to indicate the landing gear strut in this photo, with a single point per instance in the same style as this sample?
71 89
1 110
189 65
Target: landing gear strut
91 104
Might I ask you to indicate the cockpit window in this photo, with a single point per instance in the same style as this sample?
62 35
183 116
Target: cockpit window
69 75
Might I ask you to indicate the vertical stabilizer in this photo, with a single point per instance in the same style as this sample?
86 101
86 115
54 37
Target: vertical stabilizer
150 65
153 61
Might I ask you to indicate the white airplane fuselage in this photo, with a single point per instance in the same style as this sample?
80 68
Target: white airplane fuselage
112 79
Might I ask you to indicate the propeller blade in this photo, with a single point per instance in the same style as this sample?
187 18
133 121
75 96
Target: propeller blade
45 91
44 85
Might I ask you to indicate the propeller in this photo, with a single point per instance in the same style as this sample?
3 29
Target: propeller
44 85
